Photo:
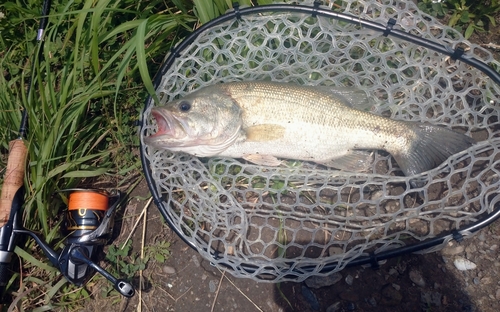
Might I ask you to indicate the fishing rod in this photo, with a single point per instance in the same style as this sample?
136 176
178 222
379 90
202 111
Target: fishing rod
12 195
89 218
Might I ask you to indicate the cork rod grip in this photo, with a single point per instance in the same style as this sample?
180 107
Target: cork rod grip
14 177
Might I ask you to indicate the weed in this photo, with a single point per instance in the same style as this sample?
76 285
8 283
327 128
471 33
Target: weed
88 88
466 16
159 252
123 261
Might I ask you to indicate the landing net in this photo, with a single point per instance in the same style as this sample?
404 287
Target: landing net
298 220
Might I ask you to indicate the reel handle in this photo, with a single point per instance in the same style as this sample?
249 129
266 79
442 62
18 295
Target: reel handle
78 254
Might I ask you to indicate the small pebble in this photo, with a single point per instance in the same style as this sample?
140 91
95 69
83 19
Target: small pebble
416 277
475 280
168 270
351 306
471 249
334 307
323 281
482 237
493 247
452 250
396 286
463 264
212 285
497 294
195 260
335 251
310 298
390 296
349 280
372 301
486 280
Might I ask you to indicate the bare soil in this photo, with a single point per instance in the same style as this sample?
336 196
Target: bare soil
430 282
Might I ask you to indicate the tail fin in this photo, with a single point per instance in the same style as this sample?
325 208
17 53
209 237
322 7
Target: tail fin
432 146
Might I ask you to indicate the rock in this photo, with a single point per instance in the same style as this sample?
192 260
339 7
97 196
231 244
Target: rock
396 286
212 285
377 195
323 281
452 250
168 270
334 307
431 298
471 249
310 297
482 237
475 280
416 277
486 280
349 280
195 260
335 251
351 306
463 264
390 296
350 296
372 301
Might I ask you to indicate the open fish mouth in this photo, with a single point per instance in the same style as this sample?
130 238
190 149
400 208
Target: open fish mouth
168 126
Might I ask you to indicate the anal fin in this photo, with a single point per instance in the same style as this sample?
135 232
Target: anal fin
354 161
263 160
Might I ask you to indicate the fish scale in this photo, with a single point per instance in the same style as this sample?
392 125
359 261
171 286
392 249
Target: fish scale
309 115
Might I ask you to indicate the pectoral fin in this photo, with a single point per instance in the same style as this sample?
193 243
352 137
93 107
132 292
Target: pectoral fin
354 161
263 160
264 133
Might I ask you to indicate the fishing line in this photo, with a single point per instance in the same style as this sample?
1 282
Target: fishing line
86 199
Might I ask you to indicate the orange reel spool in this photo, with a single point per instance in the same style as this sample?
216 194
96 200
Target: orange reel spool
86 209
88 199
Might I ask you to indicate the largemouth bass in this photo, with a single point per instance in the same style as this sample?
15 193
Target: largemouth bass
263 122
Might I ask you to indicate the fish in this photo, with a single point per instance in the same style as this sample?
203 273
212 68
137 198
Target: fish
265 122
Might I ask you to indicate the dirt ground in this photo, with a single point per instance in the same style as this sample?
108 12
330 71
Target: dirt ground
429 282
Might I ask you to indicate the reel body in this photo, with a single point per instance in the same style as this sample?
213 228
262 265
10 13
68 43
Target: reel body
89 224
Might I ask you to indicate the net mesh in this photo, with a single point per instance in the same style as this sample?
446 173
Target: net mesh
289 222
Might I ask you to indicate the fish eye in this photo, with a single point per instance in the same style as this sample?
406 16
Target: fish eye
184 106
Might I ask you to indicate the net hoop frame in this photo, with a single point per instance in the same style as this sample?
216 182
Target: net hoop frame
387 30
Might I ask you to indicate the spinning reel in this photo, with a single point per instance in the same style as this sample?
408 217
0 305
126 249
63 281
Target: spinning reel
89 224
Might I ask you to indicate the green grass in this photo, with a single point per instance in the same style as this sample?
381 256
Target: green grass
88 88
466 16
